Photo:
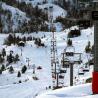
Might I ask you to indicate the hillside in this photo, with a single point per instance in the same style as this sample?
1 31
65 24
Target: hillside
26 15
12 17
32 48
40 57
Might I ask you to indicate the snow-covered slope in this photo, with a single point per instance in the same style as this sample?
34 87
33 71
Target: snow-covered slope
57 11
17 17
81 91
41 57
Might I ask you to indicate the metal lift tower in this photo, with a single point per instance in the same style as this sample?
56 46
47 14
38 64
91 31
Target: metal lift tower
54 56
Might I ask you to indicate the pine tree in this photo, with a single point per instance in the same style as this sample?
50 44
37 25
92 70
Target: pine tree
19 74
1 59
2 67
9 40
16 58
24 68
11 70
0 71
69 42
88 48
3 52
10 58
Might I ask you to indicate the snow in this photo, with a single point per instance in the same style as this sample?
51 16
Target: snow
41 57
17 16
57 11
81 91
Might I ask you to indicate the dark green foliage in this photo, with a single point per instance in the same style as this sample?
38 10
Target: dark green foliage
66 23
16 58
1 25
29 38
89 80
3 52
11 70
2 67
88 48
0 71
1 58
19 74
13 39
10 58
24 68
69 42
8 15
38 42
24 39
9 40
84 0
84 23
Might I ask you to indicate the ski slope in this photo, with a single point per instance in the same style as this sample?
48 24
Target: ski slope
9 83
81 91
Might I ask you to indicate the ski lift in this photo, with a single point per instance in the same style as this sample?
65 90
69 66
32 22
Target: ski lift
78 62
53 77
63 71
86 69
80 71
50 7
65 64
61 83
69 53
61 77
91 62
70 50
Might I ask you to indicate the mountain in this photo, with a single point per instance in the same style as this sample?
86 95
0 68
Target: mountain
12 17
28 16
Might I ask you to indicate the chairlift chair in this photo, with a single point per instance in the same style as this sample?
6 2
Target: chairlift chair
63 71
86 69
80 72
69 54
61 77
69 51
